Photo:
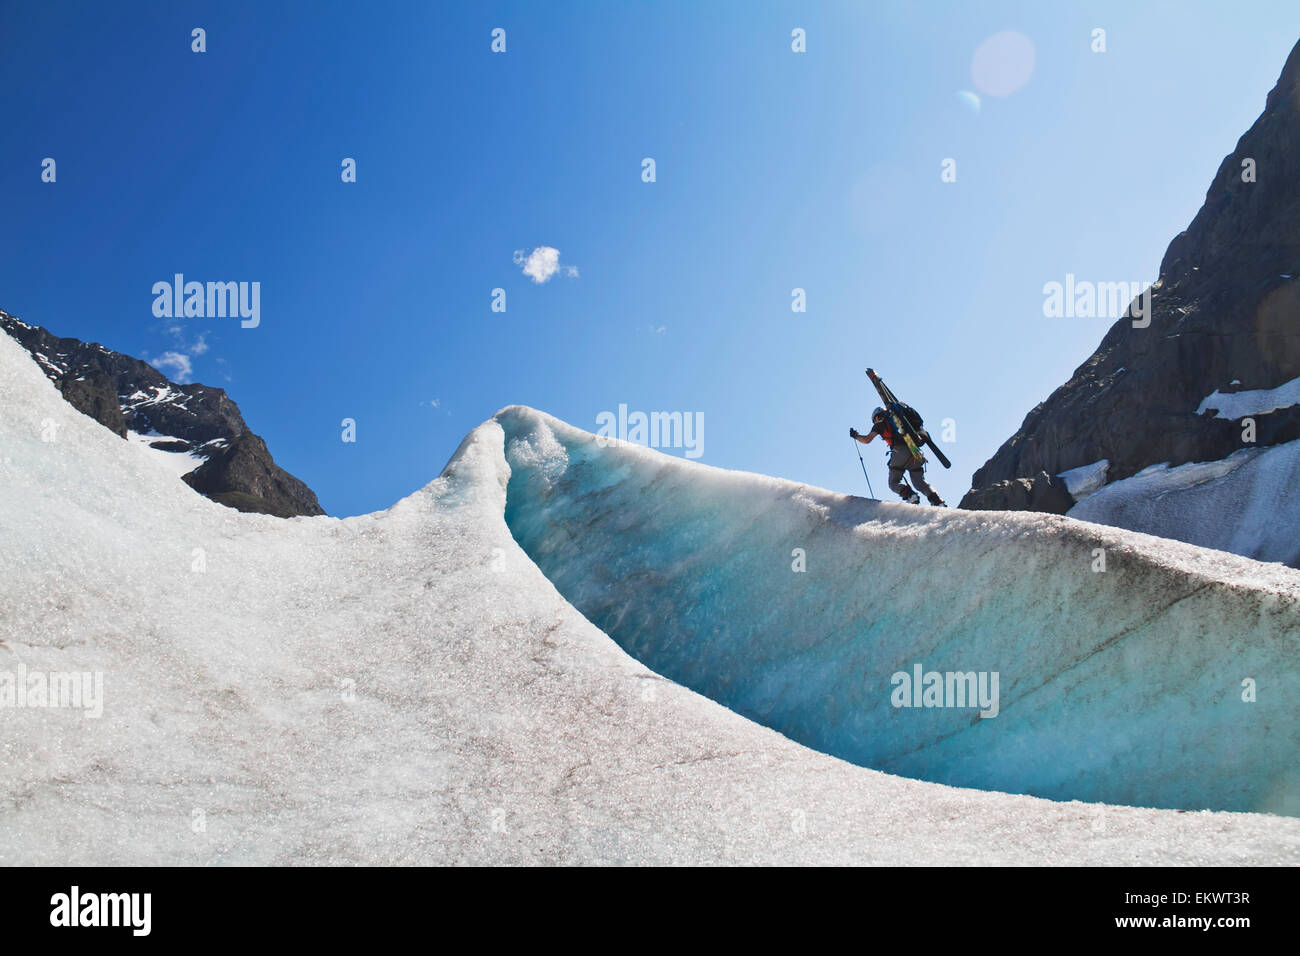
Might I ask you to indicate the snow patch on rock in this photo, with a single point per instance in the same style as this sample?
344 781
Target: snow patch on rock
176 463
1247 503
1084 480
1260 401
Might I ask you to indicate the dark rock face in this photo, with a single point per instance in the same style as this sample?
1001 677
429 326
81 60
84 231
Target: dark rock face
1225 309
240 474
145 398
1043 492
90 391
125 394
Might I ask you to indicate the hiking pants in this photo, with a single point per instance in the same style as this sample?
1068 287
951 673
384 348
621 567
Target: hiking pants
901 460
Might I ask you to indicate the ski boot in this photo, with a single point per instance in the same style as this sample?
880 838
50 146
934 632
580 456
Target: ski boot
937 501
910 497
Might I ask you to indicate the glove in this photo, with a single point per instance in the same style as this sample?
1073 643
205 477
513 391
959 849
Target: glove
853 433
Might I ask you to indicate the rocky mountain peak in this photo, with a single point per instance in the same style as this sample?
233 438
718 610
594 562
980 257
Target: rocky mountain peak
1225 318
201 425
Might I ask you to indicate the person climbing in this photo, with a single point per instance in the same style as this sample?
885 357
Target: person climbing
901 459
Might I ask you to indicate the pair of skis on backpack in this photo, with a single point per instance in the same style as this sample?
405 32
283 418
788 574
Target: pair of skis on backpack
913 436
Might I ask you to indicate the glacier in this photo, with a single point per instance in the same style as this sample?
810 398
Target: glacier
1247 503
1122 684
409 687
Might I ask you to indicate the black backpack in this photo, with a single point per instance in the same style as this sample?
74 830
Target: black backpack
911 416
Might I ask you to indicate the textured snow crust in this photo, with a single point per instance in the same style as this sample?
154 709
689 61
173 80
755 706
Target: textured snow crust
407 687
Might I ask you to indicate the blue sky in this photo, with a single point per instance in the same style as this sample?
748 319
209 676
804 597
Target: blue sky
775 170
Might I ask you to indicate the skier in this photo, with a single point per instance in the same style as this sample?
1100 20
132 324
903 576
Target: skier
900 459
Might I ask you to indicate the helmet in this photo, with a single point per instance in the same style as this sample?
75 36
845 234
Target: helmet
878 414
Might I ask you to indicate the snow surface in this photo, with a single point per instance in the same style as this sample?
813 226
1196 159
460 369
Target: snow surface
1082 481
1260 401
176 463
1247 503
407 687
1122 685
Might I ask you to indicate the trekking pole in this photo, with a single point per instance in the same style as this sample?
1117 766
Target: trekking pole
863 464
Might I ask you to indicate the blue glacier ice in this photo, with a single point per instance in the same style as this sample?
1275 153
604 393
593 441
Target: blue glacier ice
407 687
1131 684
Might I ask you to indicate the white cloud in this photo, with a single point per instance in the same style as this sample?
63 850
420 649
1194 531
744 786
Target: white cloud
178 363
182 351
542 264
